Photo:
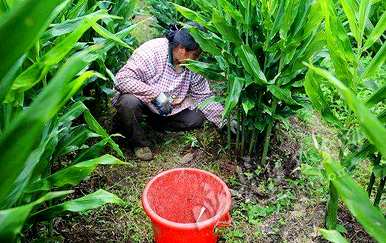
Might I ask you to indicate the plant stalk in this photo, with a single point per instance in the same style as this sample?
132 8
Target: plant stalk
332 208
371 184
380 191
229 134
243 134
268 137
238 132
376 161
253 142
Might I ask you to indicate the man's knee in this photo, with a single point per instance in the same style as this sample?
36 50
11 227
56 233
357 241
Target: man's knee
129 102
194 119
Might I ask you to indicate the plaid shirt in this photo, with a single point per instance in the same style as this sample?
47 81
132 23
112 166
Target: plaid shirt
150 71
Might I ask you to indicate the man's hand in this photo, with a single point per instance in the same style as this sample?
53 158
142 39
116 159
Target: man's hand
163 103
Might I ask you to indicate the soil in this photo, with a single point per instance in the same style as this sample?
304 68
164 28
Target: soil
295 219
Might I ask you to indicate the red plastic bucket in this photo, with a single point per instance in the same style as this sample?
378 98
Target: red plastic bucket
187 205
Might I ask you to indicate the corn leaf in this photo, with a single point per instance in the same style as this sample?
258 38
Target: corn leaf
96 127
338 43
205 41
376 62
205 5
231 11
372 127
251 64
210 71
228 32
378 30
318 100
74 140
279 18
349 10
356 200
378 96
93 151
26 129
29 19
8 79
333 236
13 219
290 13
90 201
108 35
234 95
364 9
193 16
35 73
282 94
72 175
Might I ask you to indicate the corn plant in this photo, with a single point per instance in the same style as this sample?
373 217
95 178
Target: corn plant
258 49
357 54
165 12
45 149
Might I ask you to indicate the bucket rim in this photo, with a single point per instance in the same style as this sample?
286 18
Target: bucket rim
185 226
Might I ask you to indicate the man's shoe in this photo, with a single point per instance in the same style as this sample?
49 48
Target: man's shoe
143 153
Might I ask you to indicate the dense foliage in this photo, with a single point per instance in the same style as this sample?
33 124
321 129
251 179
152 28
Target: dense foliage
259 47
356 81
49 140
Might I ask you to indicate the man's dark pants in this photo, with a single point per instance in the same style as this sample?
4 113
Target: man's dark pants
130 110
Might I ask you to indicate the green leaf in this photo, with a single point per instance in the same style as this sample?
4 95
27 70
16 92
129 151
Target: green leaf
355 157
35 73
72 175
318 100
378 96
27 127
338 43
90 201
251 63
364 9
74 140
206 42
289 15
279 17
210 71
8 79
231 10
192 15
108 35
376 62
356 200
228 32
96 127
29 19
378 30
282 94
333 236
13 219
248 105
349 10
234 95
93 151
372 127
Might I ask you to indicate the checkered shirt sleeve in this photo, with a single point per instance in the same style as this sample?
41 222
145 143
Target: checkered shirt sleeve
200 91
133 77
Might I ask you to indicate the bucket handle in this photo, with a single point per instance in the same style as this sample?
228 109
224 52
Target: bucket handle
226 221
